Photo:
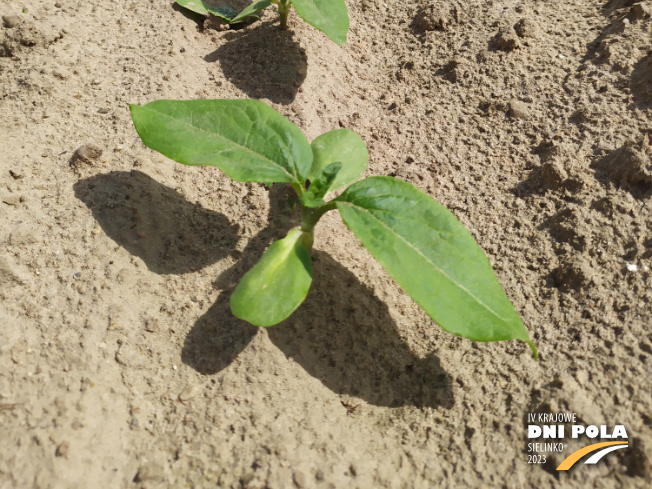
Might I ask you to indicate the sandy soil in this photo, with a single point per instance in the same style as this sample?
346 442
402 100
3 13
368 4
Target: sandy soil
120 363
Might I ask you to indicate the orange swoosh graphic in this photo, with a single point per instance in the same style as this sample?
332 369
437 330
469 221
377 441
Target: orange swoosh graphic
575 456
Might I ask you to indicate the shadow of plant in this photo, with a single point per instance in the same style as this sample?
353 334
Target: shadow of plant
641 83
263 62
342 334
629 167
218 336
156 223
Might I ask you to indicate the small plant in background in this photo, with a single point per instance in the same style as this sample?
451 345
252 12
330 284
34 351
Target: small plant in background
329 16
420 243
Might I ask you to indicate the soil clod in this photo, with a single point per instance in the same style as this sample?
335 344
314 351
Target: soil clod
10 21
506 39
86 154
518 110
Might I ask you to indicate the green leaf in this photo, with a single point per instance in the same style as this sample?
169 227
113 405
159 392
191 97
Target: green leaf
203 8
226 13
246 139
277 284
319 187
196 6
329 16
341 145
433 257
250 10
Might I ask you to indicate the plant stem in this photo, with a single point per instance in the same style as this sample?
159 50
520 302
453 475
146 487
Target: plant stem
283 11
310 216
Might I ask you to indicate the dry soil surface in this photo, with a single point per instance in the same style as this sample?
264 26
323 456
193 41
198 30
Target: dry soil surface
120 363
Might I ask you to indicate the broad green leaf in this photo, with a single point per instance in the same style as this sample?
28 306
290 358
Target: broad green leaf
329 16
319 187
433 257
226 13
203 8
246 139
341 145
196 6
277 284
250 10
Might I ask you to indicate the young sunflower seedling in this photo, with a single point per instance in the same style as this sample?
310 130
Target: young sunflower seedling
329 16
418 241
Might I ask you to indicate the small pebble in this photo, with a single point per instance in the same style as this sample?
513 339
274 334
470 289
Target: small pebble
87 153
631 267
300 479
11 199
10 21
151 325
151 471
62 449
190 392
518 110
60 73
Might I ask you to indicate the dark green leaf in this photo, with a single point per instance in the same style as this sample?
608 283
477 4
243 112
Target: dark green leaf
329 16
203 8
196 6
277 284
433 257
320 186
246 139
250 10
341 145
226 13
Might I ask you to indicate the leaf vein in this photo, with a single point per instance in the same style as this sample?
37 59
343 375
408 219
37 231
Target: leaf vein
418 251
219 136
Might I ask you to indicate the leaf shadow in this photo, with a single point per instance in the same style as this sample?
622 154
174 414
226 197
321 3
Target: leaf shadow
218 336
157 223
342 334
641 82
620 15
263 61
